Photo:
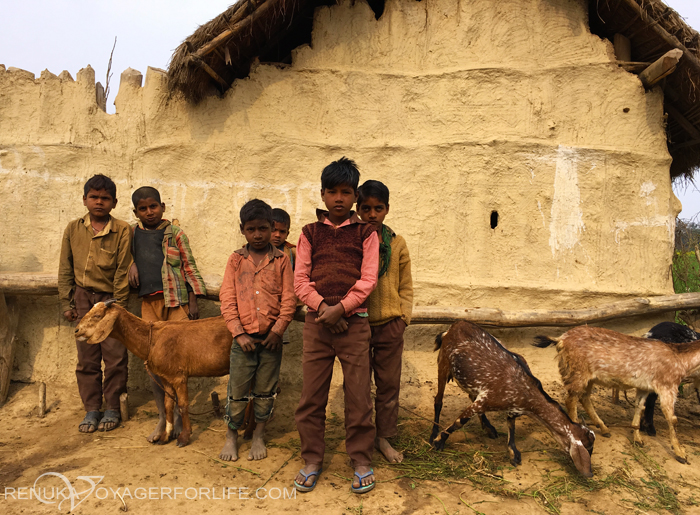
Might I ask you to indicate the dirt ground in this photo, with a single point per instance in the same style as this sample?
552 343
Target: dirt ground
472 475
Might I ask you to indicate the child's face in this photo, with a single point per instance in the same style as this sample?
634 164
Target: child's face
150 212
257 233
280 232
373 211
99 204
339 201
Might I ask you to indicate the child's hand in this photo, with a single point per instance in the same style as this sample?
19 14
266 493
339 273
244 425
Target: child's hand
330 316
246 342
133 276
339 327
273 342
71 315
194 309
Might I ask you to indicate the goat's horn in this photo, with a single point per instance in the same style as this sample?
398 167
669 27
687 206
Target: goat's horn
109 302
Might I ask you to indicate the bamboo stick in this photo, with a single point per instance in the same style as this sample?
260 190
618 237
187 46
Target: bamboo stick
261 8
42 400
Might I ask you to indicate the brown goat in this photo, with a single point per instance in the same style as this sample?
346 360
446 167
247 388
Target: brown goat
499 380
173 351
593 355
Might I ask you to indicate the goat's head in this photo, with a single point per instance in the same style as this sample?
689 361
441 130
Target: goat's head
581 448
98 323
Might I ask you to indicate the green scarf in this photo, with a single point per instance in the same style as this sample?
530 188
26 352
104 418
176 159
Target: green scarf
384 250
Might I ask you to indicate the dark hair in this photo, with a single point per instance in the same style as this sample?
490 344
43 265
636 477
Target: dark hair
342 171
281 216
143 193
100 182
256 210
373 189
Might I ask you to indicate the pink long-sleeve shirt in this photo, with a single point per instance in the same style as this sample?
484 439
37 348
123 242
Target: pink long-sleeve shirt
305 289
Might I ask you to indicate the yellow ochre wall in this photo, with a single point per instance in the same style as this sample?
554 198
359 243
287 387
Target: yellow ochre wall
461 108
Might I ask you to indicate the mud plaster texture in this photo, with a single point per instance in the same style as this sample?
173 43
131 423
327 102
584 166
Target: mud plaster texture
461 108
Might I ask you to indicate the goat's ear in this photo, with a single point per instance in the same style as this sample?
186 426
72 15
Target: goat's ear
581 458
104 326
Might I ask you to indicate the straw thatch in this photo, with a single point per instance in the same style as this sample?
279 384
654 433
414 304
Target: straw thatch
222 50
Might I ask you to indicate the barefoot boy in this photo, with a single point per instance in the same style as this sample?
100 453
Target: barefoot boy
336 270
257 302
166 276
95 257
390 307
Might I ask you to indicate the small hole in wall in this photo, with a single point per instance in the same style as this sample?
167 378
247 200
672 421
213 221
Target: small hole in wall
494 219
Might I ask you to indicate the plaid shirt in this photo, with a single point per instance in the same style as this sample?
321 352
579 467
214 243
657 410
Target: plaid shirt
179 267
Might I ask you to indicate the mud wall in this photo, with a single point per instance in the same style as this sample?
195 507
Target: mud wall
462 108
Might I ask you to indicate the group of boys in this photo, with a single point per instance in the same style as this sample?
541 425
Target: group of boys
350 269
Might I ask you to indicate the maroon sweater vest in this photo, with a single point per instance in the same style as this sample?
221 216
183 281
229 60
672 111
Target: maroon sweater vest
336 257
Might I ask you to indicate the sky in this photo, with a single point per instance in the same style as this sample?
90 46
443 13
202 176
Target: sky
69 34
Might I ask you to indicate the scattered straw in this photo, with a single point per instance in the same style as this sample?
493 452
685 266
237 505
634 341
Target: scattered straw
443 504
467 505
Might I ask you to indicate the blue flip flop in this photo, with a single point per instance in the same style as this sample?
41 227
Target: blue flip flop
304 488
363 489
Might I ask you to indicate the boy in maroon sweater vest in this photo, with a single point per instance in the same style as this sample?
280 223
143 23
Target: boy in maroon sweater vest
336 270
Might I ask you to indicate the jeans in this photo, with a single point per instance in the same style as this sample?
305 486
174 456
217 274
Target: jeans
252 375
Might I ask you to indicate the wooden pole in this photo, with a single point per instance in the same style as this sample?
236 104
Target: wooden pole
124 406
215 404
40 284
194 58
8 328
623 48
662 67
42 400
241 23
682 120
661 32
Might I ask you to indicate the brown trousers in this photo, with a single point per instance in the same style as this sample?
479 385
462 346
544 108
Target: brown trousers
386 347
90 356
153 309
320 350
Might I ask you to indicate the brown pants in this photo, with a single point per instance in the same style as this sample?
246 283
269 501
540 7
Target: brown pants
386 347
153 309
320 349
90 357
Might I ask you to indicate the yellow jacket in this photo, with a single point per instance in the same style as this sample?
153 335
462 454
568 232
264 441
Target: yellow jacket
393 296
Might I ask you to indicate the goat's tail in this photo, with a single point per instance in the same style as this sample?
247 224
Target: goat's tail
438 341
544 341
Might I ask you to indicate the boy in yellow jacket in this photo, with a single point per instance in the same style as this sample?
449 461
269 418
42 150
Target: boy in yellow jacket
390 306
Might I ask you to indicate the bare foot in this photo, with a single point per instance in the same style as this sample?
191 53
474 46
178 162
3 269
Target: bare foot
230 450
362 470
258 450
391 454
308 469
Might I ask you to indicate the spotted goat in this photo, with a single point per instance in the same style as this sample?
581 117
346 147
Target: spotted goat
499 380
593 355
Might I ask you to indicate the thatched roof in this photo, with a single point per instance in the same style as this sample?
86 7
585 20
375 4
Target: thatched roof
223 49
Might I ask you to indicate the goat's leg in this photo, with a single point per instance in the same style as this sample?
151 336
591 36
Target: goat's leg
486 426
639 407
572 399
183 402
476 407
647 422
668 400
169 400
588 406
443 371
515 458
